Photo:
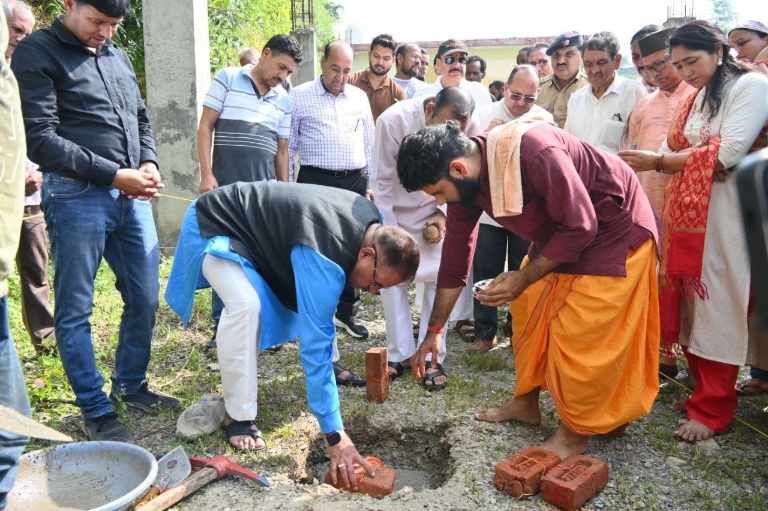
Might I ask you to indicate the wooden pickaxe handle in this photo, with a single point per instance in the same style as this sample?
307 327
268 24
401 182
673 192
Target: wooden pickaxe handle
185 488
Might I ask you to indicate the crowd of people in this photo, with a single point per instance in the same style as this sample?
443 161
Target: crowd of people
600 208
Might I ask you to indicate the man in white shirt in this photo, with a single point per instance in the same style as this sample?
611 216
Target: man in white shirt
407 65
450 66
413 212
598 114
332 133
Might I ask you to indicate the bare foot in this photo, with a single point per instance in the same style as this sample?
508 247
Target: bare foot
679 405
521 409
245 442
566 443
694 431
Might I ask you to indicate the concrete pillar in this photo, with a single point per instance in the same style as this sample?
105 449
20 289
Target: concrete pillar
307 71
178 74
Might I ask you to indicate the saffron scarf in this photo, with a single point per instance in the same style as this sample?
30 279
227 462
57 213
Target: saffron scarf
685 214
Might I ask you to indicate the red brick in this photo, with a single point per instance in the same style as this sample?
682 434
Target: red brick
376 375
574 481
520 475
382 484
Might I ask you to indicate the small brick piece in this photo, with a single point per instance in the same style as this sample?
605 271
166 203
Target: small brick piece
520 475
376 375
574 481
382 484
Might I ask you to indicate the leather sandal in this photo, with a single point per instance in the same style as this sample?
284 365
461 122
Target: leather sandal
465 329
350 380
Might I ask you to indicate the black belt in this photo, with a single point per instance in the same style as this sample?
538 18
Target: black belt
334 173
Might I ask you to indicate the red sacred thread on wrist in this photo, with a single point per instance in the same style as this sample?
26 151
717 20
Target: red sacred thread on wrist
763 62
435 329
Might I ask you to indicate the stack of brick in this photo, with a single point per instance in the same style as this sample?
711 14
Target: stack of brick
574 481
376 375
520 475
382 484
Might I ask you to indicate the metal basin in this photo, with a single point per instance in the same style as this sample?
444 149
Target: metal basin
95 476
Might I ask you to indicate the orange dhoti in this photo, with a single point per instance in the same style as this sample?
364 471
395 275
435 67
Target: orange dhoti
593 342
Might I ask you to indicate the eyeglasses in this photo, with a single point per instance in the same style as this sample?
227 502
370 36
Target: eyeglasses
514 96
374 287
537 63
658 66
450 60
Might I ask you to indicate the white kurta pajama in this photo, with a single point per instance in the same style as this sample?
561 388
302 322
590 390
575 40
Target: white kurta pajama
410 211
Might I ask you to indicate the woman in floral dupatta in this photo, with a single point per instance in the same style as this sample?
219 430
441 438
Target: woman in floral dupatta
704 275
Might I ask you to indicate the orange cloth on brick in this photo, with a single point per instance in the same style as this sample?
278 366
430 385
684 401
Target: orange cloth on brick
593 342
504 166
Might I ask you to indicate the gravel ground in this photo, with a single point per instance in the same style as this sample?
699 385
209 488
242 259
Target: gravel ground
446 459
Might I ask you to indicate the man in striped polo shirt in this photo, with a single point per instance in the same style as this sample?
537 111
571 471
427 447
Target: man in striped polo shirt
250 113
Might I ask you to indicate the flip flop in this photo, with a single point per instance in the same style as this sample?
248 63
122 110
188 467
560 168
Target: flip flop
748 387
243 428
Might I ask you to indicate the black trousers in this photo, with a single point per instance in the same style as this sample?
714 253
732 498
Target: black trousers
494 246
358 183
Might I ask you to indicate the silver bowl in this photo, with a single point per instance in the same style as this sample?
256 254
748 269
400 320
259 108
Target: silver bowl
95 476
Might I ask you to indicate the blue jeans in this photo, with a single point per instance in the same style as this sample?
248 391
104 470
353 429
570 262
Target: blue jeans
88 222
13 394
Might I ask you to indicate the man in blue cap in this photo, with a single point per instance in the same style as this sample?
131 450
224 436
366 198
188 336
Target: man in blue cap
568 77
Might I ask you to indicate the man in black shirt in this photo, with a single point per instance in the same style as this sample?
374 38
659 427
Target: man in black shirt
87 128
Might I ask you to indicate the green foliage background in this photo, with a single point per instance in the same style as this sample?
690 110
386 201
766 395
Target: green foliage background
233 25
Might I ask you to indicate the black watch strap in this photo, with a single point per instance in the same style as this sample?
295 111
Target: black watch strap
332 439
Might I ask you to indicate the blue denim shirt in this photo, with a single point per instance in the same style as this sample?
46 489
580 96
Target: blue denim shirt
83 113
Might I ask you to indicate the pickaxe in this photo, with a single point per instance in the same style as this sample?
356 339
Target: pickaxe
211 469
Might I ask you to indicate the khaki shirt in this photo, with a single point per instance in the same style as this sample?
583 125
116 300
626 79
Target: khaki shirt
382 98
555 100
11 164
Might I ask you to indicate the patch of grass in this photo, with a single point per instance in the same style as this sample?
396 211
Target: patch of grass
488 362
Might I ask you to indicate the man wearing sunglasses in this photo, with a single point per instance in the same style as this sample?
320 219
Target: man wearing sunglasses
279 254
496 244
598 114
450 66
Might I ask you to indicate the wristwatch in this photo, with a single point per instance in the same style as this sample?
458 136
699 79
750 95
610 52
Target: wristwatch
334 438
